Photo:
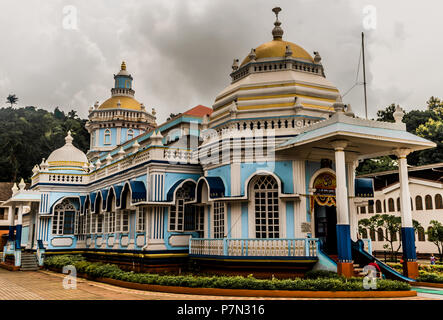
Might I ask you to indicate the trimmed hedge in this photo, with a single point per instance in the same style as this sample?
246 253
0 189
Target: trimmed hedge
421 267
433 277
318 281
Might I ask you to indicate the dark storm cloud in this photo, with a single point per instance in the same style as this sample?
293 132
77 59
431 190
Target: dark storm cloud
180 52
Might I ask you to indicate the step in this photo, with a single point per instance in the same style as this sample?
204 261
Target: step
29 264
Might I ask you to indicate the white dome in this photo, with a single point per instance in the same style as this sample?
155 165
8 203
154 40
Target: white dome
67 153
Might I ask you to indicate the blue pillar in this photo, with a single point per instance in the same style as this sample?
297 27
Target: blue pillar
11 233
344 243
408 244
18 236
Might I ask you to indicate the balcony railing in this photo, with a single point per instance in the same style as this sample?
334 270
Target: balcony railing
302 247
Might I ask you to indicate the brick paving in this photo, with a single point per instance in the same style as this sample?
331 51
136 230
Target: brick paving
47 285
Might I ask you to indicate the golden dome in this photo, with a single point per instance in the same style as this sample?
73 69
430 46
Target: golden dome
125 103
276 49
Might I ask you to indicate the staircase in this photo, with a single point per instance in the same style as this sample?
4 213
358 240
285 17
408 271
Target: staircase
29 262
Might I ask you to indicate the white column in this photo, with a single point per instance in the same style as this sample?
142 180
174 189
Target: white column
341 189
405 202
299 179
20 215
11 210
353 220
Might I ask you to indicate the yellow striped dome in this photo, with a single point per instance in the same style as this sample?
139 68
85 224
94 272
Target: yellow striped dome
125 103
277 48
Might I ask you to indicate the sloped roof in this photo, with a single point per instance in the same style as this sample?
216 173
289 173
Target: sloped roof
199 111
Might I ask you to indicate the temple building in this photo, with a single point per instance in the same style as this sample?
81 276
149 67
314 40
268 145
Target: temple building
262 182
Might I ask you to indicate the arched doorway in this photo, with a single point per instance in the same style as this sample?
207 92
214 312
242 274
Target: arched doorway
324 208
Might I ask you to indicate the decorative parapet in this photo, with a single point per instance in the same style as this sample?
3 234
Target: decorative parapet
276 65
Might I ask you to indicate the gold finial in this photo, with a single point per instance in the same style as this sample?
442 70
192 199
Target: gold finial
123 66
277 32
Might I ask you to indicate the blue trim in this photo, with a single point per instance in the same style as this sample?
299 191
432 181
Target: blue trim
408 243
228 214
138 191
244 220
209 221
118 193
105 193
92 197
82 203
290 233
344 243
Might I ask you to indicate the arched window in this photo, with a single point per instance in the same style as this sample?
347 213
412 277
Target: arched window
267 220
380 236
412 207
438 201
179 210
421 234
394 236
107 137
130 134
418 203
398 204
372 234
362 209
428 202
391 205
63 218
378 206
371 207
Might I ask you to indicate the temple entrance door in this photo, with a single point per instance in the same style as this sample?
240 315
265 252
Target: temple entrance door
325 227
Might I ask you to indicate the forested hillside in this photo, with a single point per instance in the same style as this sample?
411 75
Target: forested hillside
28 134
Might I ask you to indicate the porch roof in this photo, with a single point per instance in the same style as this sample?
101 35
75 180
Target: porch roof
23 196
367 138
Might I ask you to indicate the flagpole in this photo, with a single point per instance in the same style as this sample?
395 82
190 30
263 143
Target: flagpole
364 74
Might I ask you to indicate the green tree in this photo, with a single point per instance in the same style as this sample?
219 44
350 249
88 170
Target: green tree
11 99
28 134
435 235
384 163
391 225
425 123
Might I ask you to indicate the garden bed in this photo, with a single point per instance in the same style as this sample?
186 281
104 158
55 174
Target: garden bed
428 274
316 286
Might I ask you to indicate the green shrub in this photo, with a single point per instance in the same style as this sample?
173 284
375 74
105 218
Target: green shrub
434 277
314 281
315 274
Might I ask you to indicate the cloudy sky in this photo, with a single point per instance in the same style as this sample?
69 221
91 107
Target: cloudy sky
64 53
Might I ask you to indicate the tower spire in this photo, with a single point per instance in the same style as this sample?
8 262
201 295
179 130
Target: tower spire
277 32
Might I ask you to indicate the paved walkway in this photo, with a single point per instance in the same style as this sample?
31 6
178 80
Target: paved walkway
46 285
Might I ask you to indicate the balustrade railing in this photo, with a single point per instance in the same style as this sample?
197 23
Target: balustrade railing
302 247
